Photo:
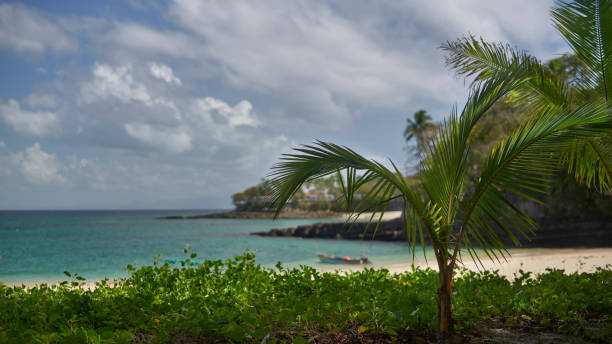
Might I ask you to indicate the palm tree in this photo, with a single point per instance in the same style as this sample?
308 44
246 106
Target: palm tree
455 223
587 28
565 118
419 128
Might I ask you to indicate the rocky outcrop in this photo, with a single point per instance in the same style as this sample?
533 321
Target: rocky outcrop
388 231
570 232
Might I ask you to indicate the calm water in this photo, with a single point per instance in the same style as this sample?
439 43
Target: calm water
40 245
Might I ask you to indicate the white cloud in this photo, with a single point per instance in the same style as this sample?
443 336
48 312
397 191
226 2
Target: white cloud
2 145
41 100
23 30
522 22
240 114
135 37
175 140
109 82
40 167
34 123
329 62
164 73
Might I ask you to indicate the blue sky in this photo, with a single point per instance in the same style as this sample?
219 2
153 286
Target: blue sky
179 104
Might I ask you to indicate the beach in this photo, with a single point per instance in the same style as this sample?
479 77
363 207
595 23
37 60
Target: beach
535 260
387 216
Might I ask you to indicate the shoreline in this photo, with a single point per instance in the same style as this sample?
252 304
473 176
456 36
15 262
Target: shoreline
534 260
291 214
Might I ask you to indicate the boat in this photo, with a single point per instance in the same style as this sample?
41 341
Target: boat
331 259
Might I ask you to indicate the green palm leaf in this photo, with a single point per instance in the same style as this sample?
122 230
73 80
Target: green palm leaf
322 158
469 56
444 166
586 25
520 165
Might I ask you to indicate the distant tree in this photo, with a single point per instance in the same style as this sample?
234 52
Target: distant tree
420 128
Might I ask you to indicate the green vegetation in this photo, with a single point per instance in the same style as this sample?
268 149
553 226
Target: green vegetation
238 300
558 132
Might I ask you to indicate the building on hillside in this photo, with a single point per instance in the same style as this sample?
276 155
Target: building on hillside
316 195
265 198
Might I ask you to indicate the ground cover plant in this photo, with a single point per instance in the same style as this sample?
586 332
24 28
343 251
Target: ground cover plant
238 300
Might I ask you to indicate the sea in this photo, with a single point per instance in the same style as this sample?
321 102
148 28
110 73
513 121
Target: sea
38 246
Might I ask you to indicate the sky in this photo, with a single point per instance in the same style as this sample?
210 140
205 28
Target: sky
180 104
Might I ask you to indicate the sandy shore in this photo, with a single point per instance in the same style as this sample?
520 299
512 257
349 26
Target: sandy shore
389 215
533 260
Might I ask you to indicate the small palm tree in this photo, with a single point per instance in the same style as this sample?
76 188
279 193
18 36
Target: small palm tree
586 25
453 221
419 128
564 119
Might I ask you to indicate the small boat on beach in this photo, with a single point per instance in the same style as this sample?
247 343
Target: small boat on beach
331 259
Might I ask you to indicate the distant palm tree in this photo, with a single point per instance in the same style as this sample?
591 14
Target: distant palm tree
586 25
419 128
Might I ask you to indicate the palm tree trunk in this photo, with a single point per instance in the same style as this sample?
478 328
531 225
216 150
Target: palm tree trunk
445 320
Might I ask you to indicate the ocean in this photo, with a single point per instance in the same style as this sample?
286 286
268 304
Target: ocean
38 246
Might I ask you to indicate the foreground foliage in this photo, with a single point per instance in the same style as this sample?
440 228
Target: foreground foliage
239 300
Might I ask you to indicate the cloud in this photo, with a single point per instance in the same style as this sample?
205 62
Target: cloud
164 73
26 31
332 62
116 83
33 123
40 167
319 63
175 140
41 100
240 114
135 37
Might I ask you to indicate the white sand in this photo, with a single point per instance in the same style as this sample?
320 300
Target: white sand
533 260
389 215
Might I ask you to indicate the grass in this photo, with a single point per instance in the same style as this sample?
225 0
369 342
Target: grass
238 300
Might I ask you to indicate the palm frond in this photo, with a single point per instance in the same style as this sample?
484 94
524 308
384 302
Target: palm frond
587 28
445 164
521 165
469 56
321 159
590 162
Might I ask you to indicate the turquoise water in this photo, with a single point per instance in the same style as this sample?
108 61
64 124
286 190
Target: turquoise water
40 245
